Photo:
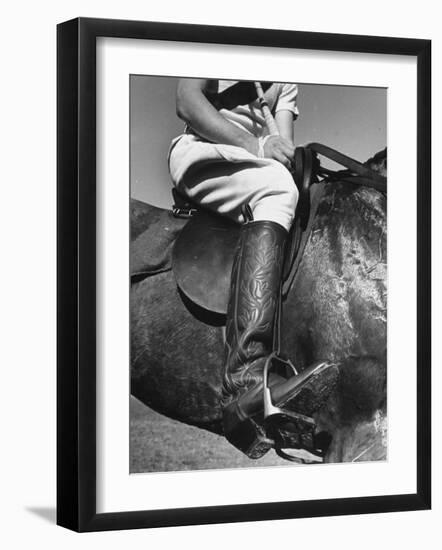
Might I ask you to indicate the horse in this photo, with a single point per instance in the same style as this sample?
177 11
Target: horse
336 310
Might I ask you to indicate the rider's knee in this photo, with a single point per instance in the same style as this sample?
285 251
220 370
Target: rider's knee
280 182
278 200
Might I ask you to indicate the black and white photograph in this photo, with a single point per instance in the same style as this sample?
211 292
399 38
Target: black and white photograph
243 216
258 274
220 233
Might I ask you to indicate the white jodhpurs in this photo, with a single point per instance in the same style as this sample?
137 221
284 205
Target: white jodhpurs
223 178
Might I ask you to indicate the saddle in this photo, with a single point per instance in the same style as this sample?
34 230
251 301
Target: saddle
203 253
202 256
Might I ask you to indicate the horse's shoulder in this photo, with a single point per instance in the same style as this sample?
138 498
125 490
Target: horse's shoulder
345 203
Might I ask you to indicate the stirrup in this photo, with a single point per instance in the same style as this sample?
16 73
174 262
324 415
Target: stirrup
285 427
278 415
289 429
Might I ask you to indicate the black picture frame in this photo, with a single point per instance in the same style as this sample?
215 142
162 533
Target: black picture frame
76 273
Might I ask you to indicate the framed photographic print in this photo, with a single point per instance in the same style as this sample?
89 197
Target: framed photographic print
243 316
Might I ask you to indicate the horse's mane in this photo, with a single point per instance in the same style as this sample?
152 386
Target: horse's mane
378 162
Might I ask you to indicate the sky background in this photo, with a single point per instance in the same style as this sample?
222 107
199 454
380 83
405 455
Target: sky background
350 119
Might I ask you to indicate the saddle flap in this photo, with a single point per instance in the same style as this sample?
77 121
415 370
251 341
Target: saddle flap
202 260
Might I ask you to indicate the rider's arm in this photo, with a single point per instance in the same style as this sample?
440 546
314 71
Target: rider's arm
284 121
194 109
286 110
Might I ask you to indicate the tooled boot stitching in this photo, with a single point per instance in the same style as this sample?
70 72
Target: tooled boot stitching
255 284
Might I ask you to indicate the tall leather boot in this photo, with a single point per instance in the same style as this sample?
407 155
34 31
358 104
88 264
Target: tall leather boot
257 401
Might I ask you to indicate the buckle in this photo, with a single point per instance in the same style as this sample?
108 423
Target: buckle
187 212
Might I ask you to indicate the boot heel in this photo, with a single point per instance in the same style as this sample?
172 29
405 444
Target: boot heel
246 435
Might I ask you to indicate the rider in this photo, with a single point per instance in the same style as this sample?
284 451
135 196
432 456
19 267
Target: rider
227 162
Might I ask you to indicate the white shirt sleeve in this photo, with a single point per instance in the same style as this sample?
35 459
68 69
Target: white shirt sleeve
287 99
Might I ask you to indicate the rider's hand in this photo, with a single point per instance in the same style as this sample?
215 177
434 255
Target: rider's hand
280 149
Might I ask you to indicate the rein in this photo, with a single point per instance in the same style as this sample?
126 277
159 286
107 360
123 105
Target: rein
356 172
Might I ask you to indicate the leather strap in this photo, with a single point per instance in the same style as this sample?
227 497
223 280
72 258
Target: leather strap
298 240
241 93
361 174
304 177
